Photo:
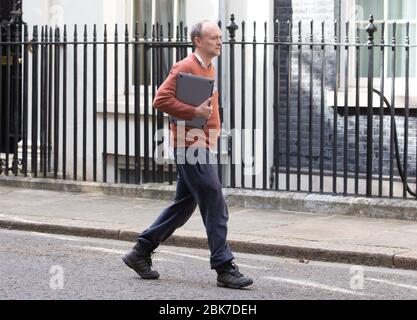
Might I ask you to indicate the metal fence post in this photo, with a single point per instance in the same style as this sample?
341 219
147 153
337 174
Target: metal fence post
232 27
370 29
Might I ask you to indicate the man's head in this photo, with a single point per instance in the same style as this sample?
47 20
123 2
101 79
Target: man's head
207 38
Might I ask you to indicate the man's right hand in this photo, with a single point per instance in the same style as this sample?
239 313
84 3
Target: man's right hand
204 110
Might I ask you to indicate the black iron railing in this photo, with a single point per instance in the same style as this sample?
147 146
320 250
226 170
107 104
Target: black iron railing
88 102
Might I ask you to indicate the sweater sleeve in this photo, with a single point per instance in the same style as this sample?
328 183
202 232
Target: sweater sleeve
165 99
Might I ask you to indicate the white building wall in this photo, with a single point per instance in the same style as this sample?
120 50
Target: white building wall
110 12
70 12
260 11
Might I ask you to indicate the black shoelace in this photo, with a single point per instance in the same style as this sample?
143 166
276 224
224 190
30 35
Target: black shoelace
149 258
235 269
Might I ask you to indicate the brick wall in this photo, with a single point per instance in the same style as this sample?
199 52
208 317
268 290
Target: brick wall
327 11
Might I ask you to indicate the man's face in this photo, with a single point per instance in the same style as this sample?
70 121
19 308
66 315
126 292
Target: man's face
211 39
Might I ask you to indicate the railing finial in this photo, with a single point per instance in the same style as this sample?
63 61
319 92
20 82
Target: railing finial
232 27
371 29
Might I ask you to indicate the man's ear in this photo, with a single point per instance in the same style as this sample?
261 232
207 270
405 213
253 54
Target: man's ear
197 40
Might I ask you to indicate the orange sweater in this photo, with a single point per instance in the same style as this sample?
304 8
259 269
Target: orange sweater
165 101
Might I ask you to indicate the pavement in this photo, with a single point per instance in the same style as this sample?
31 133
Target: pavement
300 235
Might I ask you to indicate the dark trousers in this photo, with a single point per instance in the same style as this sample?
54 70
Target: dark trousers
197 184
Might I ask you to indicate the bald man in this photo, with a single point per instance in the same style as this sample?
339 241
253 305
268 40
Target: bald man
197 179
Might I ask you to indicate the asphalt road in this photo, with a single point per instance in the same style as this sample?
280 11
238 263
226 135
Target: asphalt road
44 266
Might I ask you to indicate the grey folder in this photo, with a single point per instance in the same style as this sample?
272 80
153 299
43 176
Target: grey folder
193 90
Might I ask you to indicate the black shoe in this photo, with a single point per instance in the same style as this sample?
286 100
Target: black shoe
141 261
230 277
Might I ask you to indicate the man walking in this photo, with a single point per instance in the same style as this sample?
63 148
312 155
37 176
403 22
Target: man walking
197 181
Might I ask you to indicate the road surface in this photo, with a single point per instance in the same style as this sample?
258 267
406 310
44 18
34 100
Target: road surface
46 266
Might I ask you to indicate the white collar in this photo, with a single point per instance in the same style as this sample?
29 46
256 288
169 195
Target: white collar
201 60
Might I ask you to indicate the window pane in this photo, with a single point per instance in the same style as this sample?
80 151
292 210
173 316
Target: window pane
181 11
366 7
164 12
142 14
400 51
401 9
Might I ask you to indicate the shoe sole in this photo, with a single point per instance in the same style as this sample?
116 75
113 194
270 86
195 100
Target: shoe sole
127 262
223 285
